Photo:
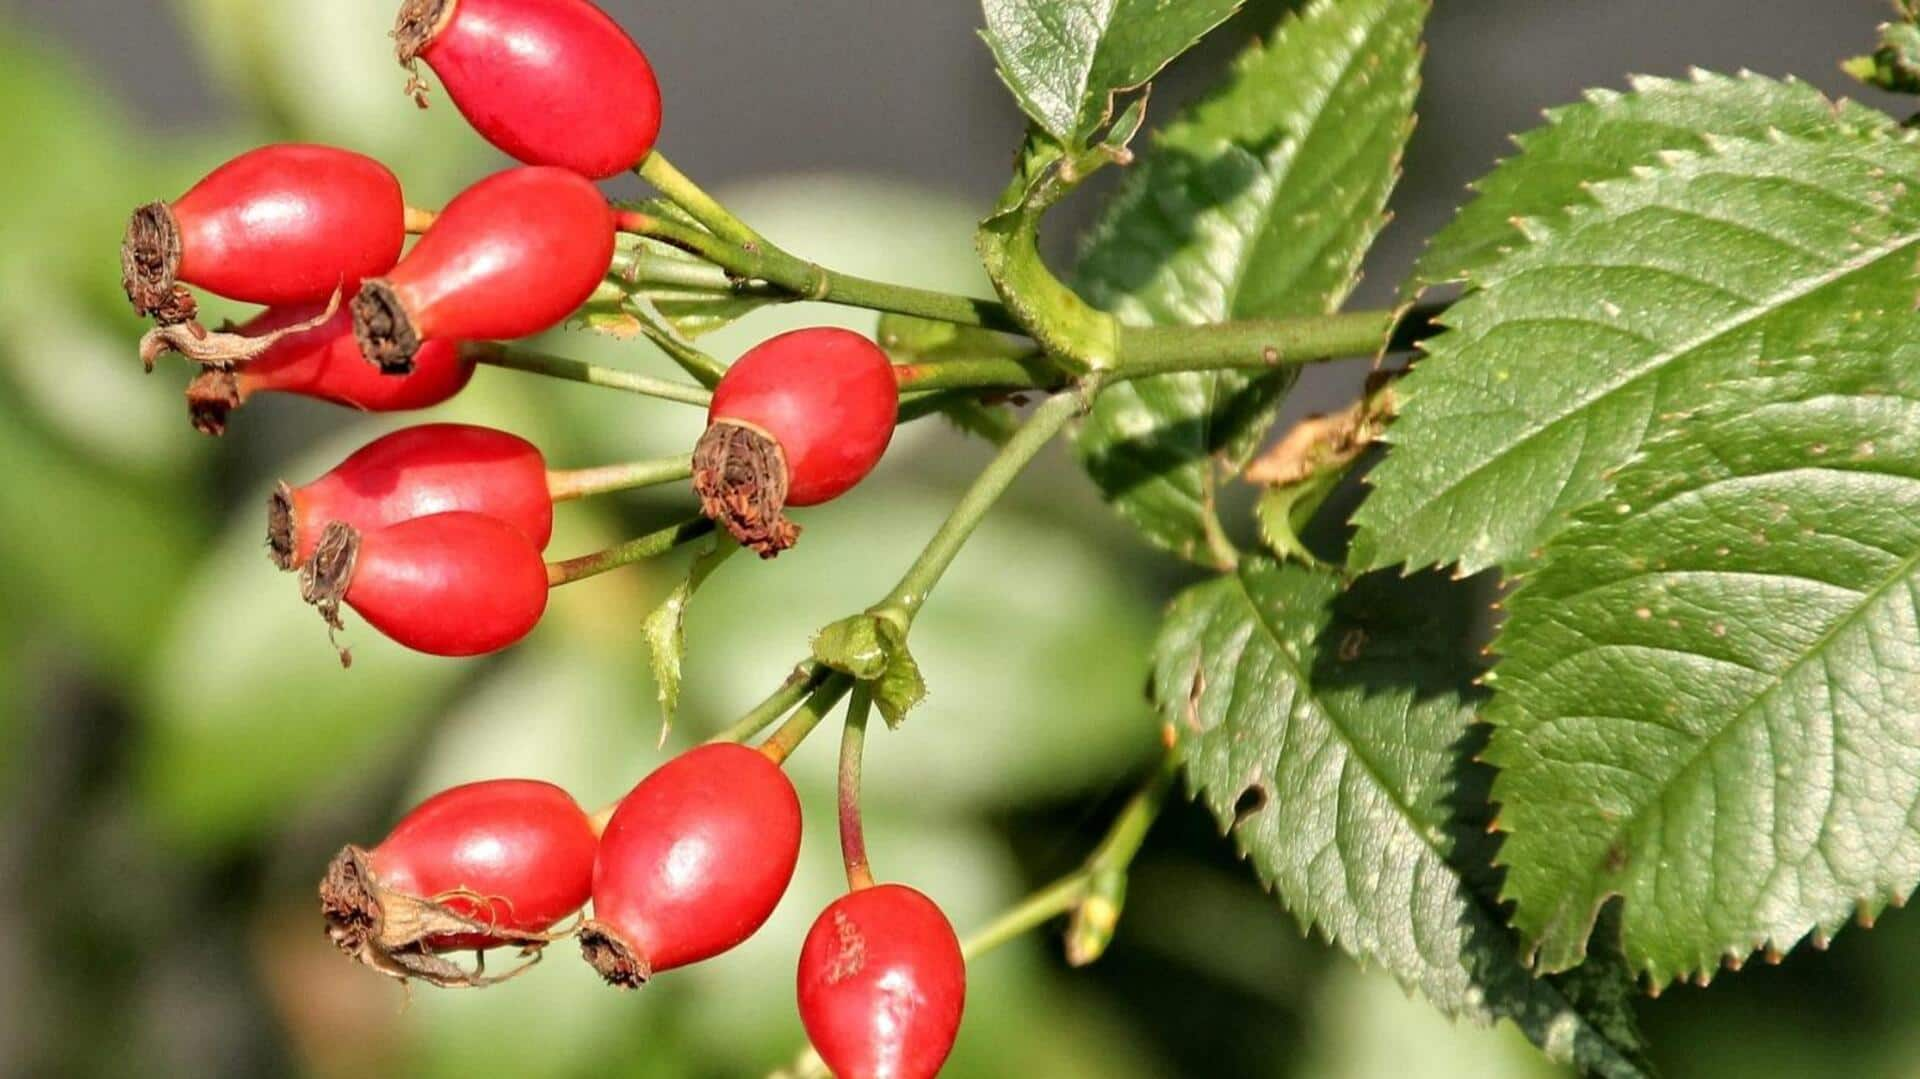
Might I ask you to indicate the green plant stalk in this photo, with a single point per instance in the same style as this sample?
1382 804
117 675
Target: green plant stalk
652 545
566 486
693 360
853 838
781 744
799 685
704 208
540 363
1047 421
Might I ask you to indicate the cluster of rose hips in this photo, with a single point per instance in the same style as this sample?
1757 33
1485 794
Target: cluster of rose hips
435 534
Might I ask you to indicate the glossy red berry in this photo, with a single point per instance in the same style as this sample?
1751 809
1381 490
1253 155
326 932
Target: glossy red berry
512 256
692 863
882 985
453 584
278 225
797 421
416 472
325 363
551 82
479 866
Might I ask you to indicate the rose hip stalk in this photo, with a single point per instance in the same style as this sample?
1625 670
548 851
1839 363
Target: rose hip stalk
324 363
411 473
798 421
277 225
692 863
453 584
882 985
479 866
551 82
512 256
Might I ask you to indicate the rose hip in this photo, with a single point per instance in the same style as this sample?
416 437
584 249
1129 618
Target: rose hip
479 866
797 421
692 863
551 82
416 472
512 256
453 584
278 225
882 985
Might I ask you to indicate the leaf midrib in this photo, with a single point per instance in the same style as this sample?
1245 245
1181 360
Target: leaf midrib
1902 571
1662 360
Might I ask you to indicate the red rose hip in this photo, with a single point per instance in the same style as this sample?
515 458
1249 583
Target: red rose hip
453 584
479 866
512 256
882 985
324 363
416 472
278 225
798 421
692 863
551 82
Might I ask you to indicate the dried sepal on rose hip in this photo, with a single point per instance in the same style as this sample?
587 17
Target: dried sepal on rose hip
882 984
797 421
322 362
452 584
512 256
415 472
692 863
277 225
484 865
551 82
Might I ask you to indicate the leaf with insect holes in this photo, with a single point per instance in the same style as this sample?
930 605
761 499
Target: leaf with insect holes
1064 60
665 627
873 649
1617 323
1606 136
1259 202
1331 731
1707 700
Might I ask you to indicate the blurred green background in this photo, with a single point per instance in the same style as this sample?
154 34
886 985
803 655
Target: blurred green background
180 752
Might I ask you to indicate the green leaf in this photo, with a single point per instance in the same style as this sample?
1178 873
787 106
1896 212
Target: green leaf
1065 60
1605 137
666 628
1260 202
1616 324
873 649
1895 65
1706 701
1332 733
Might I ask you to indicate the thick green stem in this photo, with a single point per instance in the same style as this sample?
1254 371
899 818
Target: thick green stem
805 678
781 744
687 195
540 363
853 838
652 545
1046 422
566 486
1157 350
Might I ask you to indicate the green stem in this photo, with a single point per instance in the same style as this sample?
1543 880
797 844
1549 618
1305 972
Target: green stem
781 744
649 546
1157 350
746 255
694 361
540 363
805 678
1033 912
853 839
978 373
1047 421
565 486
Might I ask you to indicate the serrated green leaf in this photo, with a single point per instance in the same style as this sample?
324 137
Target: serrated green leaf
1605 137
1065 59
666 627
1895 65
1707 698
1260 202
1618 323
1332 733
